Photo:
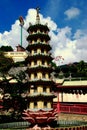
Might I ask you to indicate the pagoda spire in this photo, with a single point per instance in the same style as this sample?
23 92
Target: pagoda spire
37 16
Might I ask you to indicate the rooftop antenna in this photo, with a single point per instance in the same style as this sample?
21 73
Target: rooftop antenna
21 25
37 16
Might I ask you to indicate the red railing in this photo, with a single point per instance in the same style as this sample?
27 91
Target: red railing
71 108
72 128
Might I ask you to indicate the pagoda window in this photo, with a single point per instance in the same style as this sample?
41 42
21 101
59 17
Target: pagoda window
44 41
33 32
48 89
38 31
32 63
32 52
38 62
49 105
45 52
32 76
46 63
33 41
38 51
39 89
47 76
39 75
38 40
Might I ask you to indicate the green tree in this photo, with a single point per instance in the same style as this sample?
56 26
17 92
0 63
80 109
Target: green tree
6 48
5 63
81 66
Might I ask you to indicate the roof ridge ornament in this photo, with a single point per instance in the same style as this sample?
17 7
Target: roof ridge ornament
37 16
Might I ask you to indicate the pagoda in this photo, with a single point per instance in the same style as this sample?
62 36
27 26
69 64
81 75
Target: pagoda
40 96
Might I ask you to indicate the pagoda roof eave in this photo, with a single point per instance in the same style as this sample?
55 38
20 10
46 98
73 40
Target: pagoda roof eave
41 45
42 81
39 56
38 35
37 26
41 95
43 69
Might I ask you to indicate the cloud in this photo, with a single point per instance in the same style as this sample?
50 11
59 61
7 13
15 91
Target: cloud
72 13
61 38
78 34
12 38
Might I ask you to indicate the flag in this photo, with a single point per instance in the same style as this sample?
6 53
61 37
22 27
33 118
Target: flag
21 20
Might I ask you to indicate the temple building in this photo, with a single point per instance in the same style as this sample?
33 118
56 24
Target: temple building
19 55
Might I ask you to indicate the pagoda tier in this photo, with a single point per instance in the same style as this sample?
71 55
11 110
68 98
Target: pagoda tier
38 97
39 56
36 45
40 27
42 82
39 68
38 35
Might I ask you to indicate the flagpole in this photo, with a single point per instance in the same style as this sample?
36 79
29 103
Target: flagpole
21 35
21 30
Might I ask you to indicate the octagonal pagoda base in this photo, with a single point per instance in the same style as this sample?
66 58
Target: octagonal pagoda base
40 118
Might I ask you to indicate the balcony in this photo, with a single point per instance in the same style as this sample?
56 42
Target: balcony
39 79
38 65
43 94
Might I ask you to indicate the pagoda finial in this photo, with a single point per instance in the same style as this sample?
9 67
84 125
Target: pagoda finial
37 16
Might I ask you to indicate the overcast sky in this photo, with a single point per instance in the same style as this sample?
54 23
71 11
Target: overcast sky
66 19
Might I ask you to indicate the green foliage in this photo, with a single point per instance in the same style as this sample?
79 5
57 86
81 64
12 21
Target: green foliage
19 64
81 66
6 48
53 64
78 69
5 63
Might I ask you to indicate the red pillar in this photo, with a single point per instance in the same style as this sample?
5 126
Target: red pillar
58 105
